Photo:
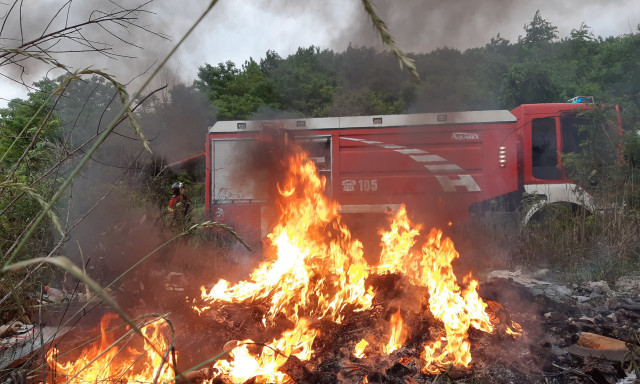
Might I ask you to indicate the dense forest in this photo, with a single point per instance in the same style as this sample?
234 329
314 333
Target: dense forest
539 67
44 136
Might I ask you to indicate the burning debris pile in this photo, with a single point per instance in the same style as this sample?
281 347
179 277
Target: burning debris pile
315 311
145 358
318 284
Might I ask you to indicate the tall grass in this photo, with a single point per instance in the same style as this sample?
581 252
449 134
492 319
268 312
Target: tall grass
582 245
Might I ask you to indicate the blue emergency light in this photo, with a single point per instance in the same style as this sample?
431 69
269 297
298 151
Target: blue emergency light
582 99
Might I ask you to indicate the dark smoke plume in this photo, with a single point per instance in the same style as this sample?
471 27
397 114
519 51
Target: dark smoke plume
420 26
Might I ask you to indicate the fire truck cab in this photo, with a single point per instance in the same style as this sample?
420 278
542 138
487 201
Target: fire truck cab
445 167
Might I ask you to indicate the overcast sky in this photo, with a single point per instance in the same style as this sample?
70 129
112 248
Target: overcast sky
238 30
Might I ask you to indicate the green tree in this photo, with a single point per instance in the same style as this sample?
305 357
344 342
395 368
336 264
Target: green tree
538 31
449 81
236 93
530 82
28 144
539 70
365 101
26 131
617 67
304 81
370 82
491 63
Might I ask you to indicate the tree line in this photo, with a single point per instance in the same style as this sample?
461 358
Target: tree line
539 67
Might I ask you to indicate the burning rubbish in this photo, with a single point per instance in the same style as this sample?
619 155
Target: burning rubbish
275 355
316 293
398 334
117 359
360 347
315 311
315 268
309 240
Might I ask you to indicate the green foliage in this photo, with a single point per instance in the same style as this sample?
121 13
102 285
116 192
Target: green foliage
530 82
236 93
365 102
632 149
369 83
538 31
86 108
26 121
28 135
501 75
597 163
304 81
616 69
456 81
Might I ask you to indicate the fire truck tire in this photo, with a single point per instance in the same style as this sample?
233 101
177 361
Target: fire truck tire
544 212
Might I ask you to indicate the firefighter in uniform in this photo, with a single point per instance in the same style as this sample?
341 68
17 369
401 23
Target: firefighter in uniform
179 205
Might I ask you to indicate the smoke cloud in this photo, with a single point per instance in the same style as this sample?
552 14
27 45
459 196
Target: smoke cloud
238 31
421 26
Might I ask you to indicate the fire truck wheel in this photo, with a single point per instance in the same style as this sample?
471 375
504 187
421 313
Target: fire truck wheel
553 213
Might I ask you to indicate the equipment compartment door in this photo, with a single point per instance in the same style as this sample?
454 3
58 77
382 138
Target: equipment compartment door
319 151
231 178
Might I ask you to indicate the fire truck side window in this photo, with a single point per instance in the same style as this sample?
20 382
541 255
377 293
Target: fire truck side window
544 149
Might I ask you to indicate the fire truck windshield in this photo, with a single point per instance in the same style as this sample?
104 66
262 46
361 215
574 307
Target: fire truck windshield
575 131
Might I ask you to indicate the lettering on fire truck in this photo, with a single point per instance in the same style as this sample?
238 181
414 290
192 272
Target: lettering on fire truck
432 162
465 136
363 185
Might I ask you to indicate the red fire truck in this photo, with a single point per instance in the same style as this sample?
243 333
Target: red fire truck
445 167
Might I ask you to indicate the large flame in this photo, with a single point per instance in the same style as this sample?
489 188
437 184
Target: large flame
316 266
397 243
108 361
457 308
265 366
314 269
318 269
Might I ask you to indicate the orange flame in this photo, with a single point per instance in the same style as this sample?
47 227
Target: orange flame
316 266
398 334
516 331
104 361
360 347
458 309
396 255
264 367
